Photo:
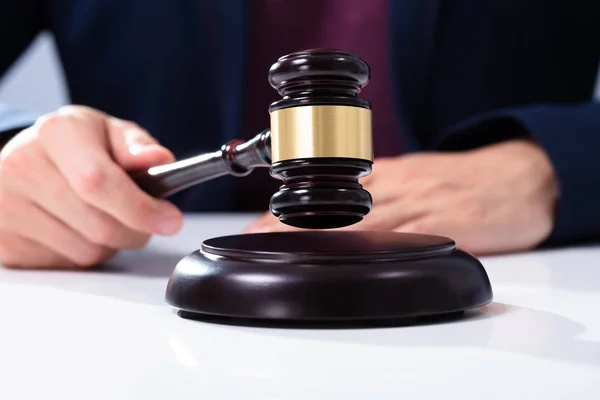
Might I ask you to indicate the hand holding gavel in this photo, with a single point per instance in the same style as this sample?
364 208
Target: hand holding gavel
66 199
79 185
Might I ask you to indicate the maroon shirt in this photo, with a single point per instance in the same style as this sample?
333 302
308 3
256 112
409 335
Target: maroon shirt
280 27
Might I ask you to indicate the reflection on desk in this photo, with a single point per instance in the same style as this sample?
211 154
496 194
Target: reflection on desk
108 334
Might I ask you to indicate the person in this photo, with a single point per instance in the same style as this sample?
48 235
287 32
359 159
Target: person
485 125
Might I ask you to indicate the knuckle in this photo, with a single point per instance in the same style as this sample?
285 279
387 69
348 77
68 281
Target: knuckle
51 124
143 212
103 232
54 123
68 109
16 163
74 109
92 180
135 133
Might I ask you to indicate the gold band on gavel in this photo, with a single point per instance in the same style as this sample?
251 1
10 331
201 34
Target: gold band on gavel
321 131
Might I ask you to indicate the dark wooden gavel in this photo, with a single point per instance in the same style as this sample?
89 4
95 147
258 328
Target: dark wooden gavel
319 144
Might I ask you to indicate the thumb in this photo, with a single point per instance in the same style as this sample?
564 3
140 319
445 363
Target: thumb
134 148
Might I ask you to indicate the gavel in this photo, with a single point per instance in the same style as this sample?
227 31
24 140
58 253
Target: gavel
319 144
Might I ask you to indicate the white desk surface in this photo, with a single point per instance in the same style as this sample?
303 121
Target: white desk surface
108 334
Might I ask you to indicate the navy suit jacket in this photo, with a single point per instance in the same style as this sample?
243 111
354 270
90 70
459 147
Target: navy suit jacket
466 74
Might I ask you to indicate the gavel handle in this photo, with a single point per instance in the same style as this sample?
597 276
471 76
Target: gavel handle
237 158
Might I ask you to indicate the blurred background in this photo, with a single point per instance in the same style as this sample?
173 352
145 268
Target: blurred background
36 81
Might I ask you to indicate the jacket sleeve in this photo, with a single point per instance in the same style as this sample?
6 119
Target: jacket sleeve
570 135
20 22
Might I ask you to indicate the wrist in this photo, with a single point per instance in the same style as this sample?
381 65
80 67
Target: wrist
523 167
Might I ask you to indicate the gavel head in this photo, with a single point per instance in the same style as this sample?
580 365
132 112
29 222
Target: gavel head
321 139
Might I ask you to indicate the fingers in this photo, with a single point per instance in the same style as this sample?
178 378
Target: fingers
66 198
46 188
21 253
380 165
471 237
387 217
133 147
467 238
395 204
267 222
383 216
391 208
265 219
24 219
77 144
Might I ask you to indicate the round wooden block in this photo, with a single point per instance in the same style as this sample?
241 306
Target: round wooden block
328 276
